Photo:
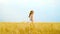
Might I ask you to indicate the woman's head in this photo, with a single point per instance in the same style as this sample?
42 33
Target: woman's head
31 11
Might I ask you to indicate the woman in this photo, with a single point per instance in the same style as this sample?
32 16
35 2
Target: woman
31 15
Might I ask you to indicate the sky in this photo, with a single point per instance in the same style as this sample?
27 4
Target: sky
18 10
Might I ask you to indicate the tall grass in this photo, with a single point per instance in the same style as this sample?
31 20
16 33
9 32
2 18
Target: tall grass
29 28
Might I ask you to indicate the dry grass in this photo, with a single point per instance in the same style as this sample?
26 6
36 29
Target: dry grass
28 28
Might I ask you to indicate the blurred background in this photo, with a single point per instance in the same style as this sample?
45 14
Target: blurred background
18 10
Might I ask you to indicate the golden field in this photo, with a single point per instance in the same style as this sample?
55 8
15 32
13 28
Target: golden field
29 28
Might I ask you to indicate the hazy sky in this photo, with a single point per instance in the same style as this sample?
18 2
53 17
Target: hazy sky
18 10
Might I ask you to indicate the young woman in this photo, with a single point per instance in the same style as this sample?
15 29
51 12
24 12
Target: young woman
31 15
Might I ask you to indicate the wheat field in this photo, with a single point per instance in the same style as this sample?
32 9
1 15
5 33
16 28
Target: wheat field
29 28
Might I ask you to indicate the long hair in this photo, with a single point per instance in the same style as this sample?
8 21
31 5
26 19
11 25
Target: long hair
31 12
